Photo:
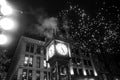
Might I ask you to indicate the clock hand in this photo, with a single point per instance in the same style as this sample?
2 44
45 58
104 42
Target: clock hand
63 50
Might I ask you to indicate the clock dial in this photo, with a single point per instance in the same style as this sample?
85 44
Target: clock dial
62 48
51 50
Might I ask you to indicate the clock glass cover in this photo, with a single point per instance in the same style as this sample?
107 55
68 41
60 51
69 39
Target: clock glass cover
51 51
61 48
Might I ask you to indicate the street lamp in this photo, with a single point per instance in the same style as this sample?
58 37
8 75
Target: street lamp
6 23
6 10
3 39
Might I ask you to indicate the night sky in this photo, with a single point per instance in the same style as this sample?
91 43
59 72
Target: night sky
88 12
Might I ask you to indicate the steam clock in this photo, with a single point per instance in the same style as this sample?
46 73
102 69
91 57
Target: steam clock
58 55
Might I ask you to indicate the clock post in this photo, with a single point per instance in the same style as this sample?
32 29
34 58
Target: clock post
58 56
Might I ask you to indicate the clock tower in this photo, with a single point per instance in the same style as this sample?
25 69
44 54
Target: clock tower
58 55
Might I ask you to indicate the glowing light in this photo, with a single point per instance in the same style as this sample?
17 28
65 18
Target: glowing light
84 72
7 24
6 10
95 73
71 70
2 2
3 39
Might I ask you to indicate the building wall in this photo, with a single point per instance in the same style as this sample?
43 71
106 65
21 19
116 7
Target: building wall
25 59
81 64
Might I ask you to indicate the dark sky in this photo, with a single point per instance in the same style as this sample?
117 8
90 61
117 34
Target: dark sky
52 7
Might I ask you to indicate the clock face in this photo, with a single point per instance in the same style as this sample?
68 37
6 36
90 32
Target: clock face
62 48
51 51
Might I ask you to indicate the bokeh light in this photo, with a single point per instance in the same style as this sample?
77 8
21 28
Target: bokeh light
7 24
3 39
6 10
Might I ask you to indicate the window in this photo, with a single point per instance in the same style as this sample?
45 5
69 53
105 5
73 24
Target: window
31 61
92 72
48 65
49 76
37 75
32 48
87 63
38 50
75 71
78 61
24 74
74 60
26 60
45 63
38 62
30 75
29 47
87 71
45 75
80 72
63 70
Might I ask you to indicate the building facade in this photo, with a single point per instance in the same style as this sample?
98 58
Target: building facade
82 65
29 63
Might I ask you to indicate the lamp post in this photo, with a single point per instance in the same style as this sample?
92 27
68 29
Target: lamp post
6 22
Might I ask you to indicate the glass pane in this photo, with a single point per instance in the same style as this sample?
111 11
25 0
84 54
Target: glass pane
80 72
38 62
32 48
44 63
31 61
27 47
30 75
26 60
37 75
45 75
75 71
24 74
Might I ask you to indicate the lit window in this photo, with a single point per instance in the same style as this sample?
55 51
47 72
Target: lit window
84 72
31 61
95 73
44 64
48 65
71 70
24 74
26 60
